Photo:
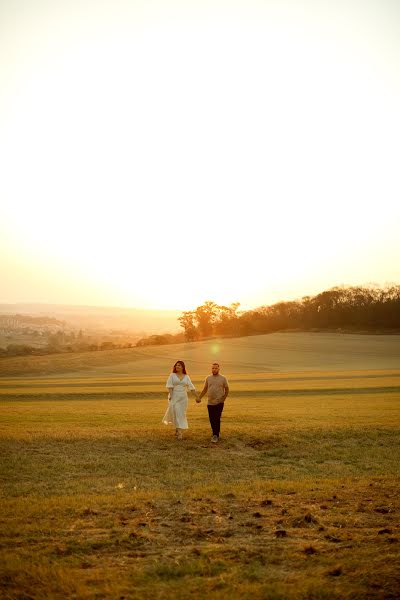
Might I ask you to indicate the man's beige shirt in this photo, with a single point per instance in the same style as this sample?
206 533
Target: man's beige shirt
216 385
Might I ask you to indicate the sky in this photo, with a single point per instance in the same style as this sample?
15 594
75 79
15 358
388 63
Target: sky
160 154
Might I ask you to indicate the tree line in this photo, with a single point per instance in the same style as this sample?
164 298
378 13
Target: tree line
63 342
357 308
27 349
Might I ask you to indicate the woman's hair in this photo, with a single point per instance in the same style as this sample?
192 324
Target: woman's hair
179 362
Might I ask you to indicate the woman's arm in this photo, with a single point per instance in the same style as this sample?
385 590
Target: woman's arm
170 386
195 393
192 388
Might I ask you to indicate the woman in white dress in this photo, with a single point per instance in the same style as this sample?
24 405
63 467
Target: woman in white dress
178 383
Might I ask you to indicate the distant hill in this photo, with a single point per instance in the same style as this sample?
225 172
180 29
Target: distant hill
271 353
101 317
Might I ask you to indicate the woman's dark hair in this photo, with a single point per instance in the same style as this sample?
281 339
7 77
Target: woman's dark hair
179 362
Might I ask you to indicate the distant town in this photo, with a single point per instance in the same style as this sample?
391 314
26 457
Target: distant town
77 329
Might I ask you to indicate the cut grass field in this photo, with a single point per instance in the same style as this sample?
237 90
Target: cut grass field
274 353
298 500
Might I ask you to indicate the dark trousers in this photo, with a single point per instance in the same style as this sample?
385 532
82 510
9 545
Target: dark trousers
214 414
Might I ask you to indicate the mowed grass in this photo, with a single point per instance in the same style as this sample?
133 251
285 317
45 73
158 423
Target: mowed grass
273 353
298 500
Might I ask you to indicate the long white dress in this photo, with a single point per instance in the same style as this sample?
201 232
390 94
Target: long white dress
178 402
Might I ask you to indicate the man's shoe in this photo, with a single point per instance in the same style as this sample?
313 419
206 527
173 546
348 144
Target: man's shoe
214 439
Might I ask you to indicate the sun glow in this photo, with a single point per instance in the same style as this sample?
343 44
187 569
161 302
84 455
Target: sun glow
162 161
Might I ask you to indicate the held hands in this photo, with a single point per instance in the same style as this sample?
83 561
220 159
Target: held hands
198 399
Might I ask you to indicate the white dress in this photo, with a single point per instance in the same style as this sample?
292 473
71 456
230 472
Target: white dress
178 402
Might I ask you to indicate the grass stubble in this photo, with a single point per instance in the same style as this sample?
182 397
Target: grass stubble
298 500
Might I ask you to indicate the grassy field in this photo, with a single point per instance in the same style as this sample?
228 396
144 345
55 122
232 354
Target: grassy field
298 500
274 353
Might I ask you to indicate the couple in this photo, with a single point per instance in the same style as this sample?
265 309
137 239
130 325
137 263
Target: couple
216 387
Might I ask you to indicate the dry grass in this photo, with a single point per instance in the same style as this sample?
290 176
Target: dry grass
299 500
278 352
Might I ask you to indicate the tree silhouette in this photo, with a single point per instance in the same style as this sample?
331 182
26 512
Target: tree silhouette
187 322
205 317
365 308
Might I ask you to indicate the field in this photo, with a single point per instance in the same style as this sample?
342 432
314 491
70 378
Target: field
298 500
274 353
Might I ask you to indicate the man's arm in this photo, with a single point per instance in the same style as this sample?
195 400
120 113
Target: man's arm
226 388
203 391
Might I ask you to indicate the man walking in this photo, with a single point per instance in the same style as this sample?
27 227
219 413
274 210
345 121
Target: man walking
217 389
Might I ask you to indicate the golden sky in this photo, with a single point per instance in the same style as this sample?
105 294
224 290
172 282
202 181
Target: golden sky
157 154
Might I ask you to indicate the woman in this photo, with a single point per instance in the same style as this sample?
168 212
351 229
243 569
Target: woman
177 384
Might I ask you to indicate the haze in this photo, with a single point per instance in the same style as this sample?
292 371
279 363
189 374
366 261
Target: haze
159 154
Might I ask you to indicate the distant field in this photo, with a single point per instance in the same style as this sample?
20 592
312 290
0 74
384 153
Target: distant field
298 501
274 353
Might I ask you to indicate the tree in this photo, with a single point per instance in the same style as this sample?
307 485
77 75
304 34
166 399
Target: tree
227 321
205 317
56 340
187 322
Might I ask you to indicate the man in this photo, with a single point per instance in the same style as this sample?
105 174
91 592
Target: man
217 389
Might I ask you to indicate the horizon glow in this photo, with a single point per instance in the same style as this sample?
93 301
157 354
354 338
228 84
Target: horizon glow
157 156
